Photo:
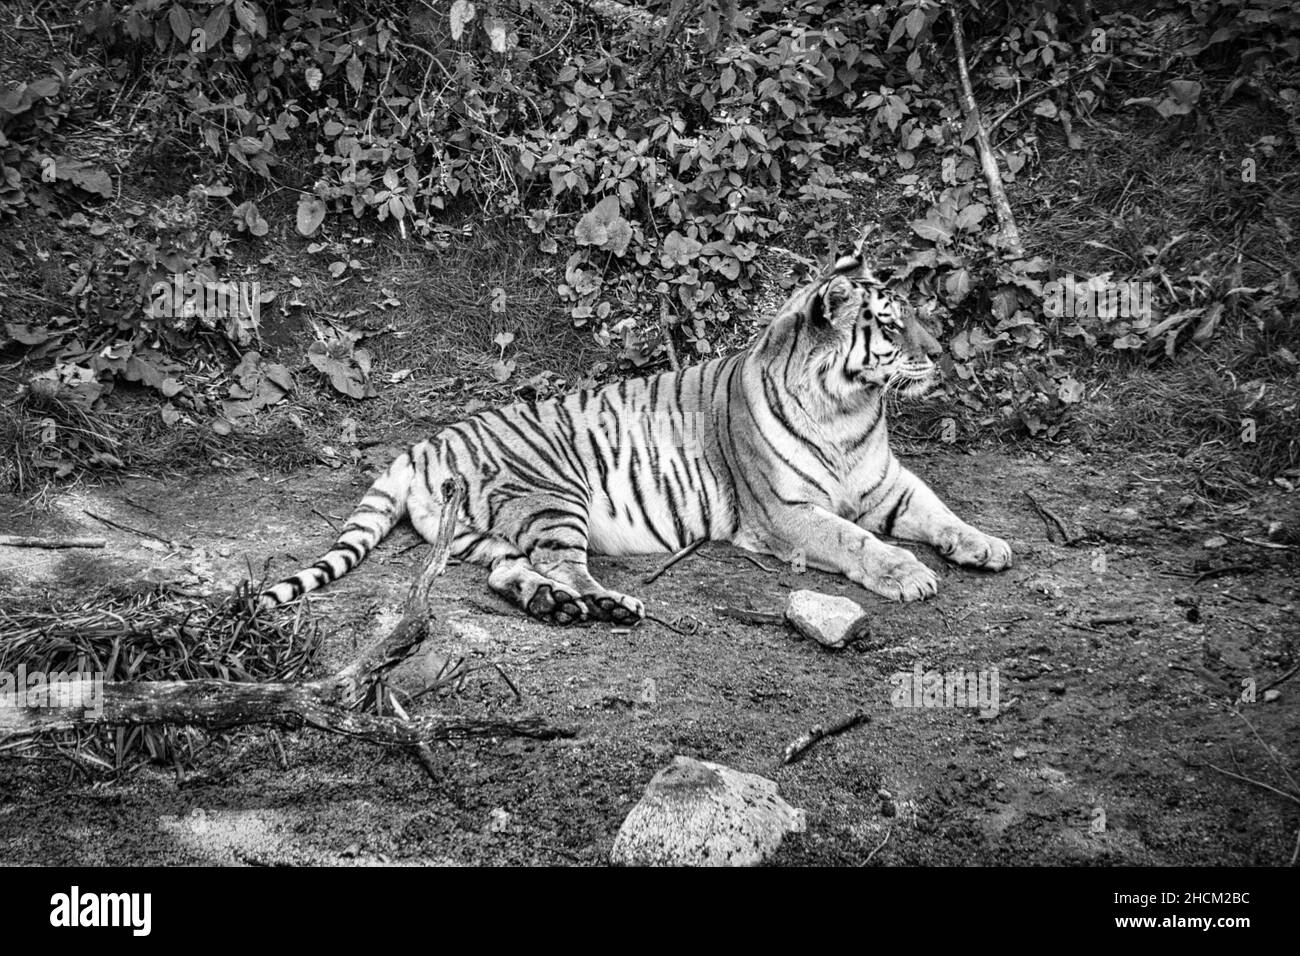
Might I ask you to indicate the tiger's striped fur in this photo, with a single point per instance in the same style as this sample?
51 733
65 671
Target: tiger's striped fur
782 449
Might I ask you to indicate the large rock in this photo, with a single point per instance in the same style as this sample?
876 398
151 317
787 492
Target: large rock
827 619
696 813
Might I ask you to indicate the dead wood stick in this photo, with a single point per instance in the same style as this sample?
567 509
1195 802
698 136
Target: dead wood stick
1050 87
1051 518
802 745
329 704
219 704
1285 677
1222 572
334 526
1251 780
127 528
757 563
998 193
751 617
683 553
879 846
25 541
1275 545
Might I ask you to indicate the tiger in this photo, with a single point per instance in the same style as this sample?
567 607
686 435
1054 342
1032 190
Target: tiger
779 449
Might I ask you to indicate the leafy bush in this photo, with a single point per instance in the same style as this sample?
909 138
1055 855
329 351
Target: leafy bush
660 153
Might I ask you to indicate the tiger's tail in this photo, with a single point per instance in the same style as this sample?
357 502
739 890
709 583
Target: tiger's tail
382 506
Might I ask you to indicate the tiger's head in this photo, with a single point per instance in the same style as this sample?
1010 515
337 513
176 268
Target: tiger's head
860 338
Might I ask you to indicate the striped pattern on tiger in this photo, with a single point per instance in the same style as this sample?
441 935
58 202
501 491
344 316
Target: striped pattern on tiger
782 449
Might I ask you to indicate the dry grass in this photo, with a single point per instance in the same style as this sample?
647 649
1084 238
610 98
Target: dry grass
1199 414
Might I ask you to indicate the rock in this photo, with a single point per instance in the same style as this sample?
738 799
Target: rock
649 692
1019 753
498 821
697 813
1271 695
827 619
1214 541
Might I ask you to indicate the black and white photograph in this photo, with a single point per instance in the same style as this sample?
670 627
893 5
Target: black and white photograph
651 433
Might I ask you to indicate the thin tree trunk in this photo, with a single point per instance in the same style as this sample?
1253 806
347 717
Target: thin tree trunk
992 175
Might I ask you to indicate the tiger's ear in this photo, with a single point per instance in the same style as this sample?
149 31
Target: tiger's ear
835 303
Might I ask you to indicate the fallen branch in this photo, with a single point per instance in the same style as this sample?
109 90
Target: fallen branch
751 617
683 553
998 193
1050 518
802 745
331 704
1275 545
127 528
1222 572
879 847
23 541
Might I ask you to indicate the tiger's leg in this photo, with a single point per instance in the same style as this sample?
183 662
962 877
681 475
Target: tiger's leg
568 565
551 531
913 512
515 579
831 543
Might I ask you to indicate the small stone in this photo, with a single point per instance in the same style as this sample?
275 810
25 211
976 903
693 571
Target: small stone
649 692
827 619
1276 530
1057 689
1271 695
884 794
697 813
498 821
1019 753
1214 541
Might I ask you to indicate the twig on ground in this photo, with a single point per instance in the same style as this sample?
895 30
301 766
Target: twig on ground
1252 781
25 541
675 628
750 617
797 748
1275 545
327 519
757 563
878 848
683 553
1050 518
127 528
1221 572
1279 680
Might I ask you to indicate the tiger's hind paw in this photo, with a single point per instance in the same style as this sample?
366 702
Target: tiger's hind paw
612 606
556 605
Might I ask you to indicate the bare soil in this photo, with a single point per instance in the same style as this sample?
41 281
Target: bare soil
1099 752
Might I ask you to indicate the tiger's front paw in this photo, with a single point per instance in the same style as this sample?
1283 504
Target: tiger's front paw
972 548
556 604
898 575
614 606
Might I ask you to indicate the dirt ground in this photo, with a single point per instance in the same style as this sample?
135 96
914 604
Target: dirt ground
1099 752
